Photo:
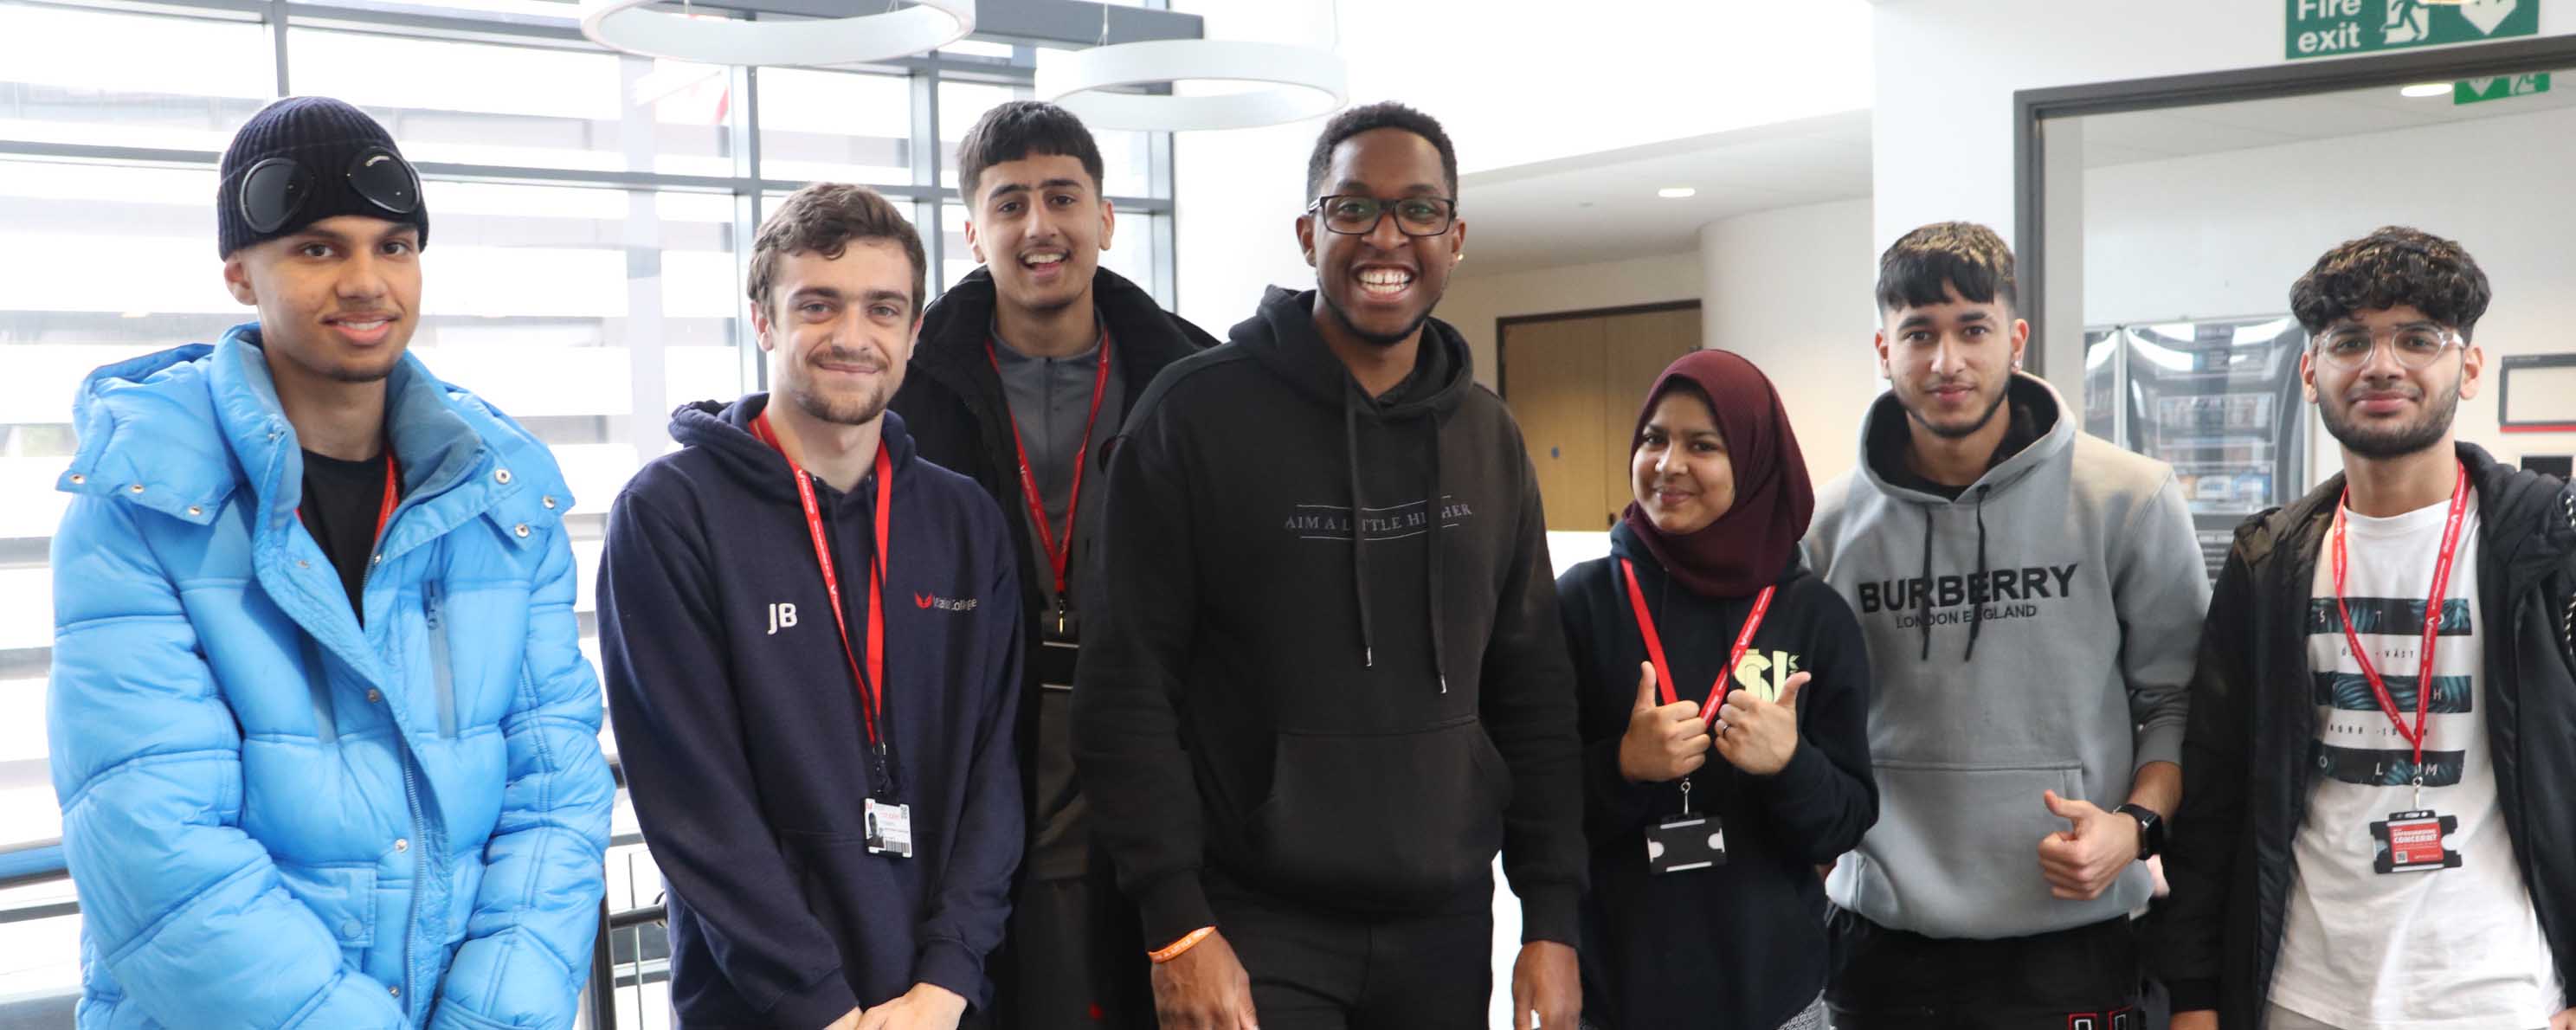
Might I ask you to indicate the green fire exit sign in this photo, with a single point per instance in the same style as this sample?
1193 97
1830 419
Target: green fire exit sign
2337 28
2472 91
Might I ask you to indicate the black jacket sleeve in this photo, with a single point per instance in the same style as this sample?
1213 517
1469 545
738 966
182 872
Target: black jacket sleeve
679 733
2206 836
1827 797
1529 709
1126 703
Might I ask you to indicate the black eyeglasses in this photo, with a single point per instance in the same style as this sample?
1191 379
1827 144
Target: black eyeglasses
1355 215
273 190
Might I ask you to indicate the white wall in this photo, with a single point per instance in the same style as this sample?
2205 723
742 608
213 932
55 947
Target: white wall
1474 302
1947 70
1790 290
2226 234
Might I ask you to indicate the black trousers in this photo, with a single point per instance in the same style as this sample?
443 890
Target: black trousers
2085 978
1318 970
1078 957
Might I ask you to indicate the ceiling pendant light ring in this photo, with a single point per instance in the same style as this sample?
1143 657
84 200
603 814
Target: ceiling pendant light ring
912 31
1303 82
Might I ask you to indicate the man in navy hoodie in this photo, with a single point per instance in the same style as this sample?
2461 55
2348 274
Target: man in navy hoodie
819 748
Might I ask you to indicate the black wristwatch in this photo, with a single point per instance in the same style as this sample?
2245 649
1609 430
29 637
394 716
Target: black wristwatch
2151 829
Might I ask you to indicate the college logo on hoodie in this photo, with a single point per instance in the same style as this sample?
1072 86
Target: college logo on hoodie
934 602
1333 521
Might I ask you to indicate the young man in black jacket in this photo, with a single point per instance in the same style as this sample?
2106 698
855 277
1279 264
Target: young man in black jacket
1022 374
2354 851
1325 680
812 644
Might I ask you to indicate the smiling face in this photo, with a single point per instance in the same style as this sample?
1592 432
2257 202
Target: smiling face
1040 224
840 330
2381 408
337 300
1950 363
1680 472
1380 285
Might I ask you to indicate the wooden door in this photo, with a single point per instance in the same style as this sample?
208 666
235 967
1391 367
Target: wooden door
1574 384
1639 348
1554 372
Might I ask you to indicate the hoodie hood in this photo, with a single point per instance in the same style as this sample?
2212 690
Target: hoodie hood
723 432
1282 336
1885 429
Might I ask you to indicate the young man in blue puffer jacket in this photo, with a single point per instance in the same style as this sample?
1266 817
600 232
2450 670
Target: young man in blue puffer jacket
325 743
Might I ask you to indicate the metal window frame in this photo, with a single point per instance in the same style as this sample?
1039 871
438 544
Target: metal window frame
2032 108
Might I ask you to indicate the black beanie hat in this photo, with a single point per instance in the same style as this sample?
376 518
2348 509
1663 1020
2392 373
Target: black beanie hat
323 135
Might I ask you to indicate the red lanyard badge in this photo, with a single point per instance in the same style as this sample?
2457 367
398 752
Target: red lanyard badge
2432 622
1059 555
1655 644
871 692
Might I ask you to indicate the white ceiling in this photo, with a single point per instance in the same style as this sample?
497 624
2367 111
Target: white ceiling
2154 135
1603 206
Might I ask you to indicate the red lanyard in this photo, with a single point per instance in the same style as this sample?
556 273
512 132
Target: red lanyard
2432 621
384 508
1655 644
1058 556
871 697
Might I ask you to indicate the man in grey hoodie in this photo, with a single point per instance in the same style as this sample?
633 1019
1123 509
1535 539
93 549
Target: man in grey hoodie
2031 597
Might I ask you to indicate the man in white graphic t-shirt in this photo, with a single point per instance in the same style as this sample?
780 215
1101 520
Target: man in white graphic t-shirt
2375 833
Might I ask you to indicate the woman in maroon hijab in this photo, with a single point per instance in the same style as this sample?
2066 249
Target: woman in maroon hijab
1724 697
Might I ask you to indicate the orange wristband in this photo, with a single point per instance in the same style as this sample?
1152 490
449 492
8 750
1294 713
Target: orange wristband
1187 941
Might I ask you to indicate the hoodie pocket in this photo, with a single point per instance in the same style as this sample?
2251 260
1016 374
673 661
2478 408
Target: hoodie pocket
1388 821
1956 849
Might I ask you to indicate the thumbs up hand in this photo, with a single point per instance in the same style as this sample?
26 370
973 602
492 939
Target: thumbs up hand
2085 859
1759 736
1664 742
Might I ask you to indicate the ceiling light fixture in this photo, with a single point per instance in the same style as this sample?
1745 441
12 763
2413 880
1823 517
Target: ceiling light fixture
921 28
2426 89
1676 192
1306 82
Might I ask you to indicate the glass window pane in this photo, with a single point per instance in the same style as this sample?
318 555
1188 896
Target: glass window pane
960 104
519 106
1126 160
835 126
129 80
1131 249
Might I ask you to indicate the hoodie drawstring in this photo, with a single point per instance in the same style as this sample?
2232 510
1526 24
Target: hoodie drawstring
1923 597
1359 538
1977 608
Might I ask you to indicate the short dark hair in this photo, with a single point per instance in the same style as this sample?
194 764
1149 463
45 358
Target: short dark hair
1020 129
1385 114
1922 268
2394 265
823 218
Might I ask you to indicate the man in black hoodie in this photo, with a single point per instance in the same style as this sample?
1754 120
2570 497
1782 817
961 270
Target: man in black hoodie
1325 681
812 645
1022 374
